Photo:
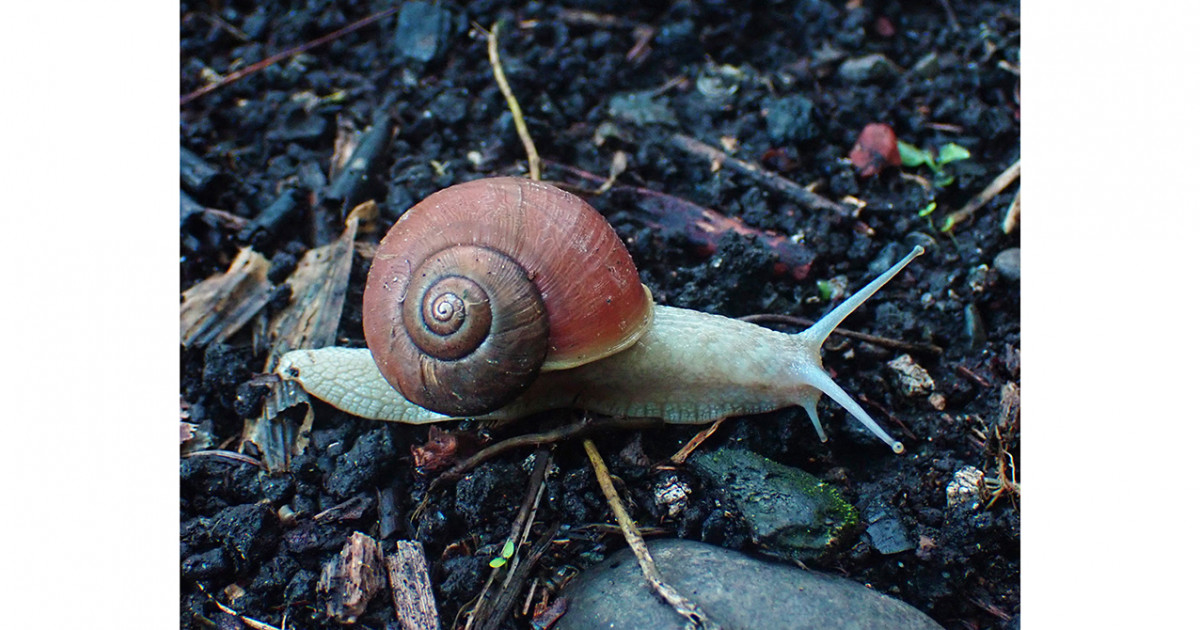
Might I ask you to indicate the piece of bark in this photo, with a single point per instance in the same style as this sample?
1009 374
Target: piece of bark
352 578
282 429
347 187
318 284
412 593
390 518
188 207
219 306
195 174
271 219
310 320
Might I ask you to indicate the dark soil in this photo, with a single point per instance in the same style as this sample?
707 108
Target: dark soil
786 101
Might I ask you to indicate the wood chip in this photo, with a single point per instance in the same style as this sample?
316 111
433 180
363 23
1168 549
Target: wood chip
310 320
318 284
219 306
352 578
1010 406
412 592
282 429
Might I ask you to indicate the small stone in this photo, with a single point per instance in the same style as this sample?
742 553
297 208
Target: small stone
424 30
876 149
977 278
672 493
964 487
973 324
450 107
790 512
888 535
790 119
249 533
926 67
1008 264
872 67
641 108
733 589
719 82
203 566
912 239
912 379
372 453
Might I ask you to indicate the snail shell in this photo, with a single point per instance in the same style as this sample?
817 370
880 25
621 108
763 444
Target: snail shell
481 286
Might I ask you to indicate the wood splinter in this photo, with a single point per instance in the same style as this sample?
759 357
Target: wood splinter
412 593
352 579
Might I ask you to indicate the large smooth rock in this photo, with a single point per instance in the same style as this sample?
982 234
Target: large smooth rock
735 590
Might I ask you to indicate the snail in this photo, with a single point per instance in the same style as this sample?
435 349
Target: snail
499 298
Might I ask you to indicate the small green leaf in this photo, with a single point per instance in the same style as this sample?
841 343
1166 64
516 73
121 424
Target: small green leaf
509 549
912 156
824 289
928 210
951 153
496 563
941 179
947 224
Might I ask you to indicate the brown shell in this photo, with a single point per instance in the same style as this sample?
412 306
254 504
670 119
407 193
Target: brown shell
546 275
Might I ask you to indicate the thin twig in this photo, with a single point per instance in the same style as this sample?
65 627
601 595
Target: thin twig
950 16
1013 214
491 610
608 528
559 434
230 455
997 186
688 610
277 57
535 163
886 342
682 454
783 185
508 596
254 624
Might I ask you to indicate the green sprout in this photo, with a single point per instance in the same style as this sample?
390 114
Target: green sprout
911 156
505 553
824 289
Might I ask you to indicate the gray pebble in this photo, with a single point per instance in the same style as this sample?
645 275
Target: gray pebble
868 68
790 119
888 536
1008 263
791 513
641 108
424 31
733 589
927 67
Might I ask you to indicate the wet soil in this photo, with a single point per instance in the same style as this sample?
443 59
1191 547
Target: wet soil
788 85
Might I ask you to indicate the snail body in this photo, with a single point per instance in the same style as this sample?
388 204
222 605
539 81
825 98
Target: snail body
636 359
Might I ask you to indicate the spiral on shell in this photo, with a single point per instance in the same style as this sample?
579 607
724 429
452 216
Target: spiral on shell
483 285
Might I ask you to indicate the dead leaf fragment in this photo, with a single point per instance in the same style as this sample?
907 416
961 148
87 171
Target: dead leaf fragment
219 306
